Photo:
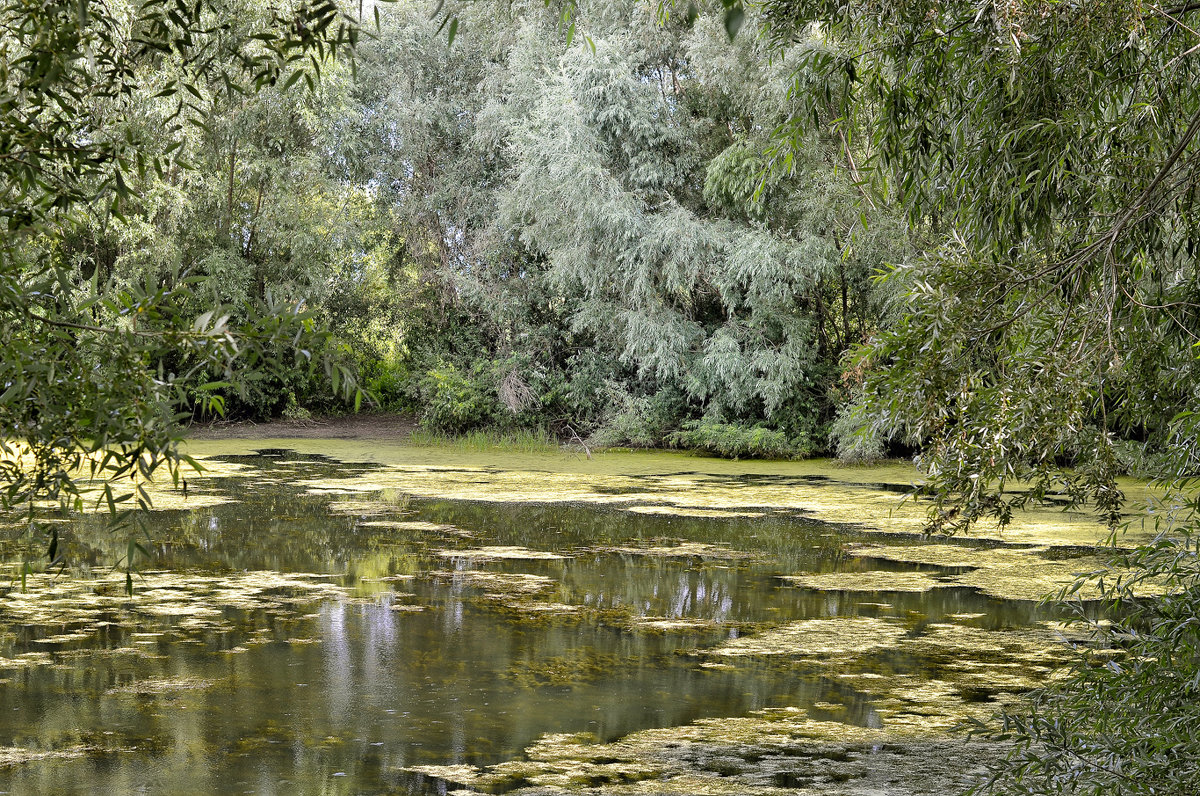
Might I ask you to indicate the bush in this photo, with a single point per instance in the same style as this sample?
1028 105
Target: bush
390 384
735 442
455 402
854 439
641 422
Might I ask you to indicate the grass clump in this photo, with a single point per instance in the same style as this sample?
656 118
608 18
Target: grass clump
488 440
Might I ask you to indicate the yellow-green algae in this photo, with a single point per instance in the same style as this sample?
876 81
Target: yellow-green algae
871 581
793 750
822 640
502 552
677 511
763 753
193 600
770 753
16 755
668 624
579 665
967 666
522 595
417 525
679 550
163 685
1001 572
663 482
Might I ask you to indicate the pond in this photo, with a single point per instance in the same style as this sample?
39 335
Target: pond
336 619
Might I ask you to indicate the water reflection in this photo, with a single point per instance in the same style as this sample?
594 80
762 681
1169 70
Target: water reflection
271 693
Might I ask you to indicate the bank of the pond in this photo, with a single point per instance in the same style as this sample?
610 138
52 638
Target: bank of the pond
378 426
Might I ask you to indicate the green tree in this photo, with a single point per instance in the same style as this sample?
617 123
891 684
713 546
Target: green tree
91 368
1049 150
591 206
266 211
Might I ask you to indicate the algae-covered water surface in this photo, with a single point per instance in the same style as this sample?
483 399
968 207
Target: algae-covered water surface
342 619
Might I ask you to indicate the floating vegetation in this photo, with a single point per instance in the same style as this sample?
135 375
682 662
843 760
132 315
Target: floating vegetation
27 659
163 685
417 525
578 666
871 581
826 641
702 587
1007 573
665 624
687 486
365 508
187 601
766 754
682 549
522 596
16 755
500 552
499 584
678 511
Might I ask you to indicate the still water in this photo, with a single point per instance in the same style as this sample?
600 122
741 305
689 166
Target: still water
288 641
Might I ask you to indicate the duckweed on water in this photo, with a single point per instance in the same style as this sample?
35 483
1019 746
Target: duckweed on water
760 755
681 549
684 511
162 685
502 552
1007 573
194 602
416 525
678 485
872 581
16 755
690 615
827 641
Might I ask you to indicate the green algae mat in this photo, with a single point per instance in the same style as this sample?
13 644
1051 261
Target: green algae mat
338 617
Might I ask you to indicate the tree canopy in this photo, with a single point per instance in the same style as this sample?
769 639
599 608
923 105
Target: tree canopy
98 108
1047 341
594 205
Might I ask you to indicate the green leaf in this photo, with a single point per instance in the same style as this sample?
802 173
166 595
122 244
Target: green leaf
293 78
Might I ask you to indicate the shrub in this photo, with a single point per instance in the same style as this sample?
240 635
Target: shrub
734 441
390 384
854 439
640 422
456 402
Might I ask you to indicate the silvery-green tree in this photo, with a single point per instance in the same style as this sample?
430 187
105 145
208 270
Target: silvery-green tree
604 197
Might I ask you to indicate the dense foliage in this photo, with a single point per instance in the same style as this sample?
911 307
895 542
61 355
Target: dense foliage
621 222
521 228
1049 150
97 106
594 242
